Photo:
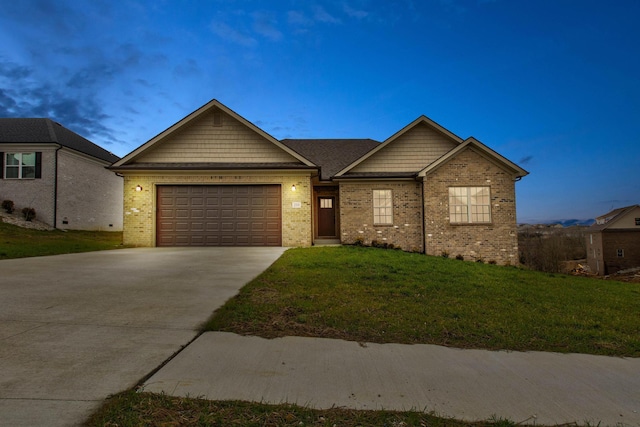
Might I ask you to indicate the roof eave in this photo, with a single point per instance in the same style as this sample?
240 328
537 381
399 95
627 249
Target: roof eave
471 141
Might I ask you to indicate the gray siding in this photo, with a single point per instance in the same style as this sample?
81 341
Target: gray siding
90 197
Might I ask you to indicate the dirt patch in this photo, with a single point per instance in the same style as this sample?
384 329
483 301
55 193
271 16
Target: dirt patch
16 218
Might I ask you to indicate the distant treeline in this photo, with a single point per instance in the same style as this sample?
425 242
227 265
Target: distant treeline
544 249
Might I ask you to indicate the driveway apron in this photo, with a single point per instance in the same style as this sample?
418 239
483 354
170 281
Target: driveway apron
76 328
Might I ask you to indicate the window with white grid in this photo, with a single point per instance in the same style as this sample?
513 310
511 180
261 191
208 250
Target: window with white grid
382 207
469 205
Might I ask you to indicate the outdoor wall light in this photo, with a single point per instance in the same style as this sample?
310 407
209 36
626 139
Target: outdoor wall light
138 187
293 187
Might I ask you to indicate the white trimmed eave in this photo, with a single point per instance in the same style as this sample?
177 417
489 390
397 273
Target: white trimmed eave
197 113
622 214
419 120
217 172
361 180
483 149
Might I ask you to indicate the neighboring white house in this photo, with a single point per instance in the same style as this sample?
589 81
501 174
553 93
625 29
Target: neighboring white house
60 174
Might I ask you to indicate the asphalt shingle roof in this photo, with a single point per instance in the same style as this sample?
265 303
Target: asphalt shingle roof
42 130
332 155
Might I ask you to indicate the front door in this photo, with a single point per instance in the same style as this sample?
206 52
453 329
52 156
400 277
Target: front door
326 216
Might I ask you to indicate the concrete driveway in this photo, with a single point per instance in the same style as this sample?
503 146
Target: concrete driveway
77 328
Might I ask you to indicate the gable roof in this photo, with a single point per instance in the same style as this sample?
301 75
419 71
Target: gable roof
194 115
46 131
420 120
610 218
331 154
472 142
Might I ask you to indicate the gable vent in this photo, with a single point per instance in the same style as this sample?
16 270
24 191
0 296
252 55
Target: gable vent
217 118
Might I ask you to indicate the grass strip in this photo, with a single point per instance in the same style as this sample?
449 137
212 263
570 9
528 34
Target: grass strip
146 409
389 296
18 242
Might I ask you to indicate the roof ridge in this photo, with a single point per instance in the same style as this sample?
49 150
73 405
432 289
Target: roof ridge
52 132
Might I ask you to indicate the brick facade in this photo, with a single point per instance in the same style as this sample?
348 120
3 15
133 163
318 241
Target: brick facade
496 241
140 206
356 214
602 254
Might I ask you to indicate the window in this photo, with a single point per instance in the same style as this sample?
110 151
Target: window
20 166
620 253
382 207
326 203
469 205
637 221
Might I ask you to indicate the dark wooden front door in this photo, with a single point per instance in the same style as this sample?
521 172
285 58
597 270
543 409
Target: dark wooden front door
326 216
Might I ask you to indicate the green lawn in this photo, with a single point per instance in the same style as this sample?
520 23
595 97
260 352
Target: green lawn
17 242
377 295
129 409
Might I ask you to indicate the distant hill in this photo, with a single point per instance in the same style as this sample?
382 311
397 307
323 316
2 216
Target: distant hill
570 222
563 222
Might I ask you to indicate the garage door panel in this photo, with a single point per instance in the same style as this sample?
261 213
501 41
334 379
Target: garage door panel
223 215
272 213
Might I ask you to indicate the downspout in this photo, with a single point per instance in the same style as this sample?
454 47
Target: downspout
55 190
424 219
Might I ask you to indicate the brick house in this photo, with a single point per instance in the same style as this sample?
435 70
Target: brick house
214 178
613 242
60 174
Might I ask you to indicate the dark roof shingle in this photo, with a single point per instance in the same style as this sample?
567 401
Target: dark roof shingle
332 155
39 130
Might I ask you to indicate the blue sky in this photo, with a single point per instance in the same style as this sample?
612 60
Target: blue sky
553 85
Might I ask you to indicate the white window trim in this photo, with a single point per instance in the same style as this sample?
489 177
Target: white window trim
469 211
382 213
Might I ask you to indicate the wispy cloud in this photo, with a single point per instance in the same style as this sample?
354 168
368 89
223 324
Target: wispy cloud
227 32
295 17
189 68
265 24
354 13
321 15
525 160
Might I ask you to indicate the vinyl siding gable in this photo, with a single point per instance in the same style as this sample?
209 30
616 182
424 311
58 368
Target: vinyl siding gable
410 152
628 221
207 140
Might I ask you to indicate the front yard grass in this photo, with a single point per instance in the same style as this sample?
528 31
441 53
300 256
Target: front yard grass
145 409
388 296
18 242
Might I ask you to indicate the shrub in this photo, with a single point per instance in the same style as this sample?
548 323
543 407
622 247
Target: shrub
29 213
359 241
7 205
459 257
444 254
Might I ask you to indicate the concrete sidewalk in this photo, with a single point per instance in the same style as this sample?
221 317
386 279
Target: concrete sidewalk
532 387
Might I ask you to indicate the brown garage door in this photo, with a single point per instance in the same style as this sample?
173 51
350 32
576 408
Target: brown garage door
219 215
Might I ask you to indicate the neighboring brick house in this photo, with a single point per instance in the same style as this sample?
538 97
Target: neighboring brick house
613 242
214 178
60 174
